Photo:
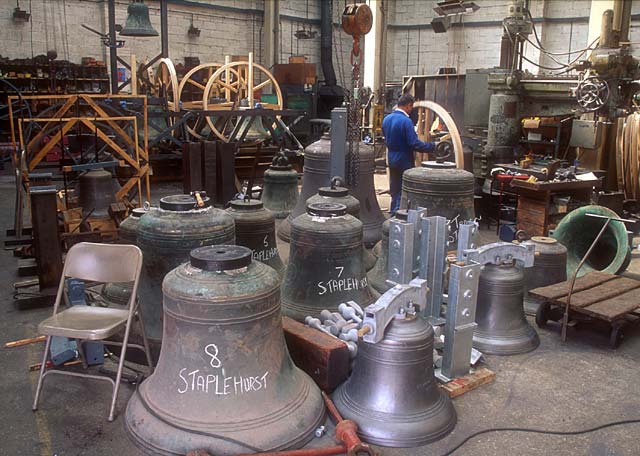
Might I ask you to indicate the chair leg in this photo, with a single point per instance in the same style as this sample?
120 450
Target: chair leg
123 355
43 367
81 353
145 341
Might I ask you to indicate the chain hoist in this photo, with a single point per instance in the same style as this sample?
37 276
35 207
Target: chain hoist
357 20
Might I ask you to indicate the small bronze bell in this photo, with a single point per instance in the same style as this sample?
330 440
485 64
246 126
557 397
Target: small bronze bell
138 22
280 192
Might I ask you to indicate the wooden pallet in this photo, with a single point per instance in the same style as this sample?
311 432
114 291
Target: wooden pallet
471 381
599 295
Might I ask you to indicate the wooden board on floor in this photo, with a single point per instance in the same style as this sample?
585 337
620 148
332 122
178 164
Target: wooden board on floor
469 382
559 290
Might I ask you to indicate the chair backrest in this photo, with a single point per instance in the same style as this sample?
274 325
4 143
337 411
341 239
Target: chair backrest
103 262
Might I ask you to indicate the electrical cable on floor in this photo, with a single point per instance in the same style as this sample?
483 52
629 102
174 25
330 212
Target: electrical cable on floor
540 431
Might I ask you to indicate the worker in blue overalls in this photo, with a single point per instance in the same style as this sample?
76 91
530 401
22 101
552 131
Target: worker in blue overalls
402 140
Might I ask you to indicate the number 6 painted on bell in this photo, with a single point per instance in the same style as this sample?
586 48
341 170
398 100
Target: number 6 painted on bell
265 242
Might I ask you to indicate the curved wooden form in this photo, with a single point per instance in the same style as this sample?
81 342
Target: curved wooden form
449 123
237 81
166 84
195 79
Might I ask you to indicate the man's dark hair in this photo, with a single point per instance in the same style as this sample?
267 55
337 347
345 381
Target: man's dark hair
406 99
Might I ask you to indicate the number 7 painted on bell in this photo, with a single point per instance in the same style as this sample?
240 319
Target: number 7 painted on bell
340 269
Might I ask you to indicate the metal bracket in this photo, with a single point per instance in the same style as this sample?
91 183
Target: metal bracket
461 317
401 251
467 233
498 252
395 303
433 245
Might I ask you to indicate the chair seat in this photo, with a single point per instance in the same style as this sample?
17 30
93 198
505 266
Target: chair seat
85 322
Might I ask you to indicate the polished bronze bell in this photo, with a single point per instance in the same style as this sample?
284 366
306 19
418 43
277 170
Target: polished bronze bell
138 22
225 382
502 326
256 229
392 393
326 265
280 192
96 191
315 174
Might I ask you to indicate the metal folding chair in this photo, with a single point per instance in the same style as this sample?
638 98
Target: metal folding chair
96 263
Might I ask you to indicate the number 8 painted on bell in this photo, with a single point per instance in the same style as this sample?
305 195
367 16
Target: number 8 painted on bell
215 362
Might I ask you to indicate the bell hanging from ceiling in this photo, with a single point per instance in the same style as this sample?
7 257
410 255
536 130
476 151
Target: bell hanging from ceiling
225 382
502 326
392 393
96 191
326 266
138 22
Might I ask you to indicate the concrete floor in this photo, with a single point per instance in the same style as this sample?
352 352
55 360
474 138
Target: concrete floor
560 387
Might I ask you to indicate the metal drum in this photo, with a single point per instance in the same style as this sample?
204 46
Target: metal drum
392 393
378 275
166 235
256 229
96 191
280 192
225 382
326 265
440 188
549 267
315 174
119 293
502 326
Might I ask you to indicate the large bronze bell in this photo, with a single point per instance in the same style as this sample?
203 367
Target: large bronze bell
166 235
280 192
502 326
392 393
338 194
96 191
256 229
326 265
315 174
225 382
440 188
364 190
138 22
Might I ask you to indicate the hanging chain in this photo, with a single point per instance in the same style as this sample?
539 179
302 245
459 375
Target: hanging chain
353 110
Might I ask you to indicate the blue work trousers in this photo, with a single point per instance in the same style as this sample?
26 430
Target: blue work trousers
395 186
